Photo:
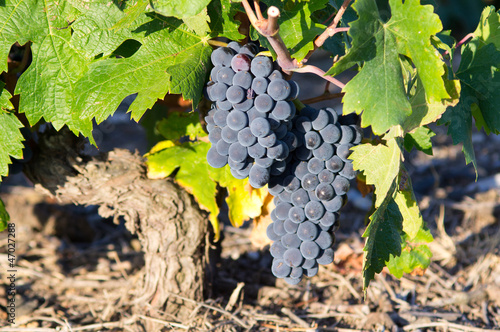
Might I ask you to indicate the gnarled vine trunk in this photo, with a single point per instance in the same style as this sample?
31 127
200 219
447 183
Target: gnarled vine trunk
167 220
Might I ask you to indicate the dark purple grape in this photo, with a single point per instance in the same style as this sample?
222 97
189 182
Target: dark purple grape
240 62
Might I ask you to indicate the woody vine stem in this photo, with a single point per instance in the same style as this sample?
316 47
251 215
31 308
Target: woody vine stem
269 28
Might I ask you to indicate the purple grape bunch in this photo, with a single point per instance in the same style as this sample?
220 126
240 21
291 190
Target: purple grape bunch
254 127
251 114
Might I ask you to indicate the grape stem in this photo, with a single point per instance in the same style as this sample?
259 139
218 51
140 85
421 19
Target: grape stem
330 30
319 72
324 96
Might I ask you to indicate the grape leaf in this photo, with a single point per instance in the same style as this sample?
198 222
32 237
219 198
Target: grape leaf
420 139
243 201
171 59
198 23
178 8
414 253
10 140
379 46
297 28
488 30
222 19
178 125
4 216
92 29
368 157
407 204
131 14
5 104
383 239
47 86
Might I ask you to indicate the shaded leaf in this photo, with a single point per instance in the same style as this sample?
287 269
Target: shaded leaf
420 139
178 125
222 21
4 216
10 140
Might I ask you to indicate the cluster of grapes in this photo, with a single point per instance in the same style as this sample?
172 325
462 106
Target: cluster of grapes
254 127
250 120
309 195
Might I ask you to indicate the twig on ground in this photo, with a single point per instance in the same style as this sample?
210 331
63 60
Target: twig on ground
295 318
446 325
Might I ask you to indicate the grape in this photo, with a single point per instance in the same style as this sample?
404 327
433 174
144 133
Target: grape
281 131
296 214
314 210
258 176
283 110
275 186
218 92
225 75
285 196
238 152
254 114
282 210
291 141
222 147
343 151
246 170
220 118
303 124
331 133
293 257
309 249
334 204
324 152
244 106
256 150
215 135
321 120
311 272
229 135
334 116
214 73
240 62
277 250
334 164
348 135
237 120
324 191
237 165
313 198
278 152
312 140
348 171
326 257
264 103
261 66
324 240
234 46
222 56
268 141
209 119
214 159
341 185
315 165
300 170
264 162
291 183
326 176
259 85
278 168
359 134
275 74
328 219
307 231
246 138
249 49
235 94
278 89
260 127
292 281
210 127
294 90
291 226
309 263
224 105
309 181
296 273
243 79
279 228
303 153
280 269
290 240
300 198
275 123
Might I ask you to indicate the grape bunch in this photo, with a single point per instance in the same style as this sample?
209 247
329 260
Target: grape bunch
310 193
250 120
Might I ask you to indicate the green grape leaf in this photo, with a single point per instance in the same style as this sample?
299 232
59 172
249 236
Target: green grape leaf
178 125
488 30
407 204
420 139
10 140
198 23
379 46
297 28
5 104
171 59
92 29
131 14
414 253
47 86
179 8
4 216
383 239
222 21
368 157
193 172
